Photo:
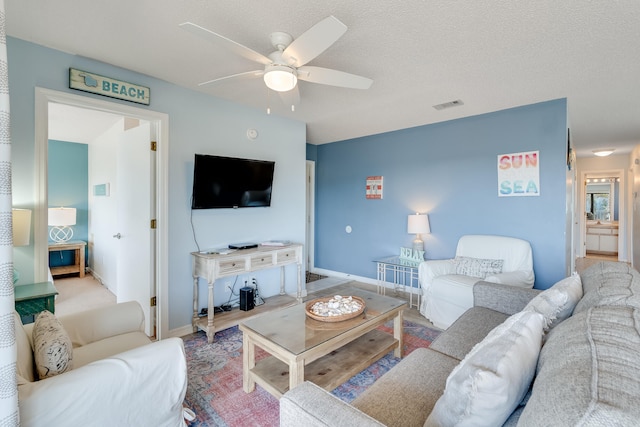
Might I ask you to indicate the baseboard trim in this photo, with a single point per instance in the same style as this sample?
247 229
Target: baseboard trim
362 279
181 332
340 275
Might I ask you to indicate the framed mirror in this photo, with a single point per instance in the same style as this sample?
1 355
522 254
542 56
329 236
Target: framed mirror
601 197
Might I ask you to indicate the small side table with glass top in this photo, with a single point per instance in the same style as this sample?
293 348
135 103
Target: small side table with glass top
402 274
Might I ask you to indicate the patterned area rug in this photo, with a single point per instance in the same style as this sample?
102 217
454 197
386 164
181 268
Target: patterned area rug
215 378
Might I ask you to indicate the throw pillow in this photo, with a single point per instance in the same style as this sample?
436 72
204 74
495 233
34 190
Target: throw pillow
557 303
478 267
490 382
52 346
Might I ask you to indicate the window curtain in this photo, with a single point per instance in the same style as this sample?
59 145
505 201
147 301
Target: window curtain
8 387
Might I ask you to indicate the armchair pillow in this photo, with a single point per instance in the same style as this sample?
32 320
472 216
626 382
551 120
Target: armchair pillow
52 346
477 267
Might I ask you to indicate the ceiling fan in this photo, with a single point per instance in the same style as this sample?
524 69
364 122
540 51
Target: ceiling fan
287 64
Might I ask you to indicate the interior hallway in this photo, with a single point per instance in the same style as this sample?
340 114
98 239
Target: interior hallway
79 294
583 263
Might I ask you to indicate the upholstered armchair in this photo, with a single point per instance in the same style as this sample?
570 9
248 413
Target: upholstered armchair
447 285
98 368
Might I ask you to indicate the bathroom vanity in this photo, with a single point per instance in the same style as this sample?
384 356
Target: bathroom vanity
602 237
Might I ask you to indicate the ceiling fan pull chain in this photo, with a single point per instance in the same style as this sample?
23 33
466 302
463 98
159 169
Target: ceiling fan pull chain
268 101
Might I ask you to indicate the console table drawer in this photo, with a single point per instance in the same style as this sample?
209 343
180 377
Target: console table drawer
232 266
286 256
261 260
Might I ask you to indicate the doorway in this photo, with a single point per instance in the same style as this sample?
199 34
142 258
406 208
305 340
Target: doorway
99 164
159 130
310 216
602 215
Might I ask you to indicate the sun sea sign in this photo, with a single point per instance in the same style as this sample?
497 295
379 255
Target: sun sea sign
519 174
106 86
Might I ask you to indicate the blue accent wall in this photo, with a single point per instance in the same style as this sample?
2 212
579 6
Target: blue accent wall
68 182
449 171
312 152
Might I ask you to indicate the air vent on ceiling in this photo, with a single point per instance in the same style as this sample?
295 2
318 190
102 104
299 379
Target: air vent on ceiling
450 104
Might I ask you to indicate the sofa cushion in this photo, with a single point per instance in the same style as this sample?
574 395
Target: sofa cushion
308 405
609 283
108 347
52 346
588 371
490 382
468 330
24 364
557 303
478 267
405 395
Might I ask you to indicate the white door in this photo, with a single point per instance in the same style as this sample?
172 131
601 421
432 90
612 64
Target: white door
310 216
133 233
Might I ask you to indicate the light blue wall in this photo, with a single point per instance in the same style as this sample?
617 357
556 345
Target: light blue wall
198 123
448 170
68 179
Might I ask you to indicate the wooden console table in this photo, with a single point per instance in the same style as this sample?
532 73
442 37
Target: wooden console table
78 266
214 266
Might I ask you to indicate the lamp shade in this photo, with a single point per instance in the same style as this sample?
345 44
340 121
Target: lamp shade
59 217
418 224
21 219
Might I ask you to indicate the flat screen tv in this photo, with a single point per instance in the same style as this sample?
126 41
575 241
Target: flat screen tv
229 182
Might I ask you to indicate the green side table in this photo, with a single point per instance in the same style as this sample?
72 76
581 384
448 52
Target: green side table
34 298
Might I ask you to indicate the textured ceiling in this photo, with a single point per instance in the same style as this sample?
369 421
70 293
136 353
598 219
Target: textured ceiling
492 55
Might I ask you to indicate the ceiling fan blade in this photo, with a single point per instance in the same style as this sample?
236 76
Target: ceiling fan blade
240 76
226 43
314 41
327 76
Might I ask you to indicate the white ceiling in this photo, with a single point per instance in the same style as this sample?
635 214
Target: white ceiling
81 125
490 54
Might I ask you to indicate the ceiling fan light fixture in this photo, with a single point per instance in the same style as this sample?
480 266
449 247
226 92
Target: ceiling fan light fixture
603 152
280 78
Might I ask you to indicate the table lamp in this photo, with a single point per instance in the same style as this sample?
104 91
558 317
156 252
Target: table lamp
21 223
418 224
60 220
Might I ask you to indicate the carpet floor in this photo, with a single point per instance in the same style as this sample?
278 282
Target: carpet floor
215 390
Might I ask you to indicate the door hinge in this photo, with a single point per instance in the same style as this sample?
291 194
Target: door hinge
152 302
153 224
154 146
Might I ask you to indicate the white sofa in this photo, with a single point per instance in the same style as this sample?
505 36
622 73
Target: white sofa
118 376
447 285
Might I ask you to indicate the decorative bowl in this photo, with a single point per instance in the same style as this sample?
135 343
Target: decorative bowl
337 318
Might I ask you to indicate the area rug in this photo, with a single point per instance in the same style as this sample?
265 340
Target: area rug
215 390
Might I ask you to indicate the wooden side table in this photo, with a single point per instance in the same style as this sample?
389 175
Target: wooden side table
72 245
34 298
